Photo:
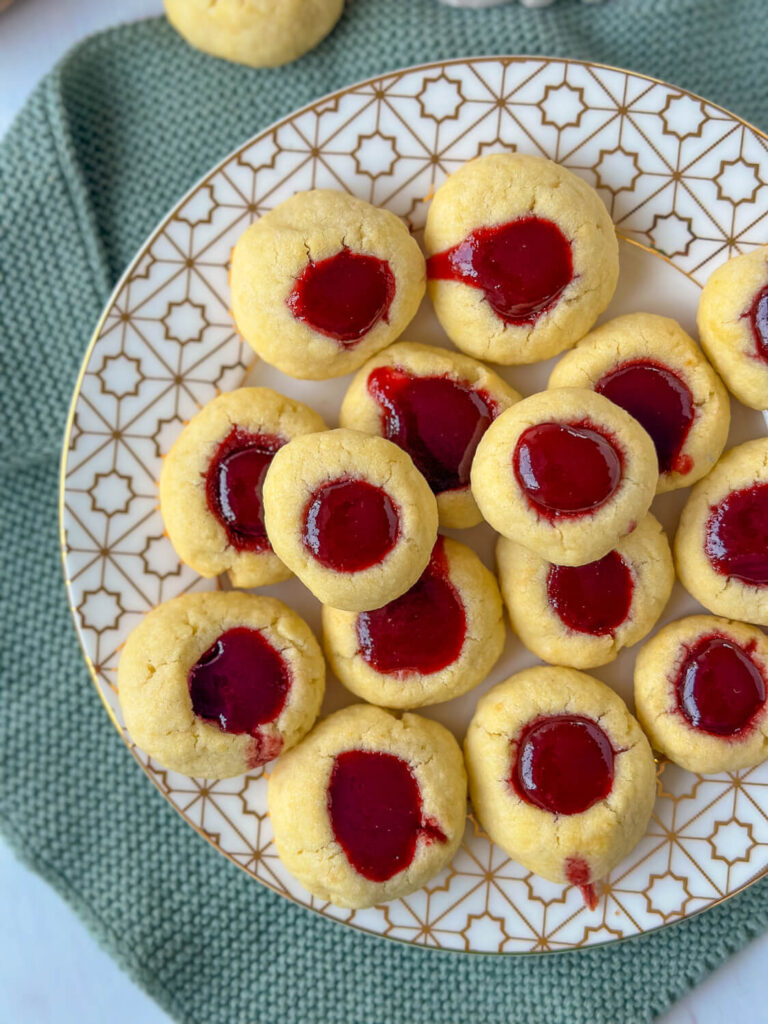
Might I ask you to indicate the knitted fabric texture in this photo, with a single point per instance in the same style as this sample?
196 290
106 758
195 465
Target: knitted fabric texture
105 145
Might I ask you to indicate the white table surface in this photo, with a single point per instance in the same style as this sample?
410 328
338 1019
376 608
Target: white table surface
78 983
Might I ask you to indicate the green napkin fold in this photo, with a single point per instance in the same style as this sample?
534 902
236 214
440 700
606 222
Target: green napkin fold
105 145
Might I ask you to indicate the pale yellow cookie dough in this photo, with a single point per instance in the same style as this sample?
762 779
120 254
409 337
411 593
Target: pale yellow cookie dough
153 683
309 462
297 797
645 336
523 576
503 187
598 838
361 411
564 539
261 33
740 468
311 227
656 698
726 333
197 535
478 592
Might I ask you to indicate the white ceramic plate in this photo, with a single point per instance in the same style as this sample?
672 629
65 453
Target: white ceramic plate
685 183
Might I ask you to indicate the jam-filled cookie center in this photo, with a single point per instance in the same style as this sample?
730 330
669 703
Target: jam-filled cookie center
660 401
757 315
719 687
566 469
375 809
343 296
737 535
234 483
423 631
350 525
593 598
240 683
563 764
438 421
522 267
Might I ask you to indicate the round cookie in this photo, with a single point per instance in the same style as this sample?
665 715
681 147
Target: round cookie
324 281
436 405
211 481
700 693
649 366
584 615
567 793
261 33
522 260
218 683
721 545
370 806
566 473
435 642
733 324
351 515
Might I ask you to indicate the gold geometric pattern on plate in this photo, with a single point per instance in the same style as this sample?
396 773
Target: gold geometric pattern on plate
679 176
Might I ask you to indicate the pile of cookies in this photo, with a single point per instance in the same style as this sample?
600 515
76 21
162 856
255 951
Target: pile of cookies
370 803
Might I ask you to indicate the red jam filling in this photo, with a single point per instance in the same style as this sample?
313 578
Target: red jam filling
240 683
563 764
719 687
438 421
343 296
660 401
566 469
374 803
737 535
422 631
577 873
350 525
522 267
233 486
757 314
593 598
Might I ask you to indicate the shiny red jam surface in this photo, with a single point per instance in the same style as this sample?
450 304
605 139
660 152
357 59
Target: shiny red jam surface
522 267
233 486
240 683
660 401
438 421
737 535
374 803
593 598
422 631
566 469
563 764
719 687
757 315
343 296
350 525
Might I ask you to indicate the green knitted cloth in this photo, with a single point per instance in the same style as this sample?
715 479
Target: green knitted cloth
107 143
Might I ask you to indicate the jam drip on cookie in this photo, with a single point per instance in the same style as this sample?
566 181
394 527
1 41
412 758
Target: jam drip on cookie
660 401
423 631
350 525
563 764
240 684
375 808
522 267
737 535
593 598
577 873
566 469
343 296
438 421
233 486
719 687
757 315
